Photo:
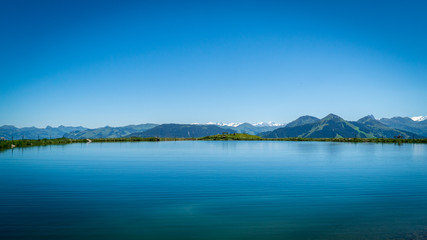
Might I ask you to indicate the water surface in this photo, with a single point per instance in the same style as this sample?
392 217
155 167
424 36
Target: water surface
214 190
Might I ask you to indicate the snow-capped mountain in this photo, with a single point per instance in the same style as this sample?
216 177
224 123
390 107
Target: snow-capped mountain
419 118
224 124
268 124
258 124
219 124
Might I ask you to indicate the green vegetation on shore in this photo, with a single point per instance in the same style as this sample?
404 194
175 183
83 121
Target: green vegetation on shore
247 137
352 140
42 142
232 137
59 141
220 137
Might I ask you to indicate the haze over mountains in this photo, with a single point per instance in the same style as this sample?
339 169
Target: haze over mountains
110 132
181 131
258 124
331 126
9 132
419 118
419 127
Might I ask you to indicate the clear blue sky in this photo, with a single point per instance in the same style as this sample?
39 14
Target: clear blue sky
97 63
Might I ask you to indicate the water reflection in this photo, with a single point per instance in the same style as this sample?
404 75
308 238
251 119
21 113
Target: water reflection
419 149
214 190
226 145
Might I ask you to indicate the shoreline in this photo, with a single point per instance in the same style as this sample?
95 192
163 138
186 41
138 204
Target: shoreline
9 144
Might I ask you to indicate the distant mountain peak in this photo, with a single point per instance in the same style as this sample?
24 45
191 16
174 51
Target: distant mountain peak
181 131
367 118
8 126
221 124
307 117
419 118
10 132
232 124
333 126
245 125
331 116
268 124
302 121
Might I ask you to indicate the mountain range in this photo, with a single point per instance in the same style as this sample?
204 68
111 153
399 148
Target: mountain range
416 126
419 118
252 129
331 126
9 132
247 128
258 124
302 121
181 131
109 132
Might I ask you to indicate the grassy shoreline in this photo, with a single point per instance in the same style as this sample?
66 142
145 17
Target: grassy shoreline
8 144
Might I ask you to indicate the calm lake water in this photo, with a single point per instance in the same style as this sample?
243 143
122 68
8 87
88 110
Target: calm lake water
214 190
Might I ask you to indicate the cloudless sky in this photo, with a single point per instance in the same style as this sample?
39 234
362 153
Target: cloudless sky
97 63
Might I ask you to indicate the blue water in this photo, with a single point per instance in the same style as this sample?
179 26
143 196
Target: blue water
214 190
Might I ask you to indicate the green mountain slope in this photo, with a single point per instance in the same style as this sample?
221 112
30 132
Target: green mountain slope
109 132
288 132
406 124
181 131
333 126
233 136
302 121
379 130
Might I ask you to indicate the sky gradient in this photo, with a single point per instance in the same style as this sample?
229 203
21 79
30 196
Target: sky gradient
97 63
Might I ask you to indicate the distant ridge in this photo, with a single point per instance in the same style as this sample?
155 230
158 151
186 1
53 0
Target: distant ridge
406 124
419 118
109 132
181 131
252 129
258 124
8 132
333 126
379 130
302 121
247 128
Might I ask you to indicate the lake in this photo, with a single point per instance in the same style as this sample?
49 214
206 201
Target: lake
214 190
